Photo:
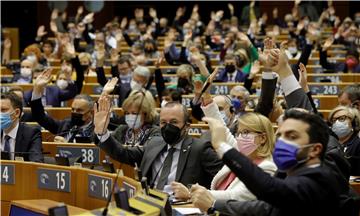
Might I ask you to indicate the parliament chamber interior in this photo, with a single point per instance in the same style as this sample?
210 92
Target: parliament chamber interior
180 108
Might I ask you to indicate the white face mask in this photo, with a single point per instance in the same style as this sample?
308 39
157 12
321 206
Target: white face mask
292 50
32 58
341 128
163 103
135 85
132 121
25 72
62 84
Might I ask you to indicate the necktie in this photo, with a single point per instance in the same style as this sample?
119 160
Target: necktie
165 170
7 147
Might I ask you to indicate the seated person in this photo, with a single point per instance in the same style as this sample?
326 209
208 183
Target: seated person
77 128
17 136
173 156
26 116
350 96
231 73
345 123
140 116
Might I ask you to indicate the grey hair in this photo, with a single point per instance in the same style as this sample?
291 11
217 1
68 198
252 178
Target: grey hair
241 89
142 71
86 97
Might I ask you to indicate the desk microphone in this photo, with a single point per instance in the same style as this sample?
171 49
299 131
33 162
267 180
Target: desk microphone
74 130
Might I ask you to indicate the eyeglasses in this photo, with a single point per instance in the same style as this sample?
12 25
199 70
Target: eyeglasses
245 133
340 118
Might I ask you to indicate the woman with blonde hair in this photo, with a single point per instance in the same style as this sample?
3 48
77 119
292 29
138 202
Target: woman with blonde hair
140 118
345 123
255 138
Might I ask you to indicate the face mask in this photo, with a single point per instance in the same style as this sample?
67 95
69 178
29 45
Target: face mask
77 119
62 84
183 82
85 67
224 117
341 129
292 50
135 85
285 154
132 121
163 103
5 119
132 27
171 134
236 103
32 58
246 145
25 72
350 63
230 68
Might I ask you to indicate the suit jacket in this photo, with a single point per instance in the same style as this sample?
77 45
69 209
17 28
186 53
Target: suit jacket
198 162
299 99
57 127
223 76
308 191
54 95
28 139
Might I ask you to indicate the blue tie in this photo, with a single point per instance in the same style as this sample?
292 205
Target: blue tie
7 147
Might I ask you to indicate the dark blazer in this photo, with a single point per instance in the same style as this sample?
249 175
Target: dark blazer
54 95
28 139
223 76
62 127
353 153
307 191
198 162
298 99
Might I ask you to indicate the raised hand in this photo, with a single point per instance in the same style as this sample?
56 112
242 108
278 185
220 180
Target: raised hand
159 61
153 13
123 23
218 132
114 56
41 31
53 27
139 13
244 38
195 8
80 10
42 80
180 12
54 14
101 114
110 86
89 18
328 42
275 12
70 50
231 9
7 43
303 77
255 69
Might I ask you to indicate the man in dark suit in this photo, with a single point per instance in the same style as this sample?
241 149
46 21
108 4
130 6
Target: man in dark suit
173 156
15 135
310 188
230 73
78 128
54 95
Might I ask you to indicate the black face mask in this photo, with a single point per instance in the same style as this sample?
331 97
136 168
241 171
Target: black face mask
76 119
149 50
230 68
171 134
183 83
85 67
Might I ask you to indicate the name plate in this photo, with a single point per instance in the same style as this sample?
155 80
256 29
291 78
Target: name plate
7 174
89 155
130 190
99 187
219 90
186 102
195 130
52 179
325 89
333 79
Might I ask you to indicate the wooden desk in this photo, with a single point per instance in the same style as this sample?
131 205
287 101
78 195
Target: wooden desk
42 205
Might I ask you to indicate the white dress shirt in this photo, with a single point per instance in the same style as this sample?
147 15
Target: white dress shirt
12 135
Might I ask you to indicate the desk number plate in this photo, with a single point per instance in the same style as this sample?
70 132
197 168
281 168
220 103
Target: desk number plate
7 174
99 187
52 179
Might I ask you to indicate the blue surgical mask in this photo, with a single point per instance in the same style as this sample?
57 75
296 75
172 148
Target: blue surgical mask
133 121
285 154
341 128
5 119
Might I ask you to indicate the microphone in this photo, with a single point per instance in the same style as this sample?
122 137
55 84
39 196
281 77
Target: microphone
60 134
74 130
104 213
